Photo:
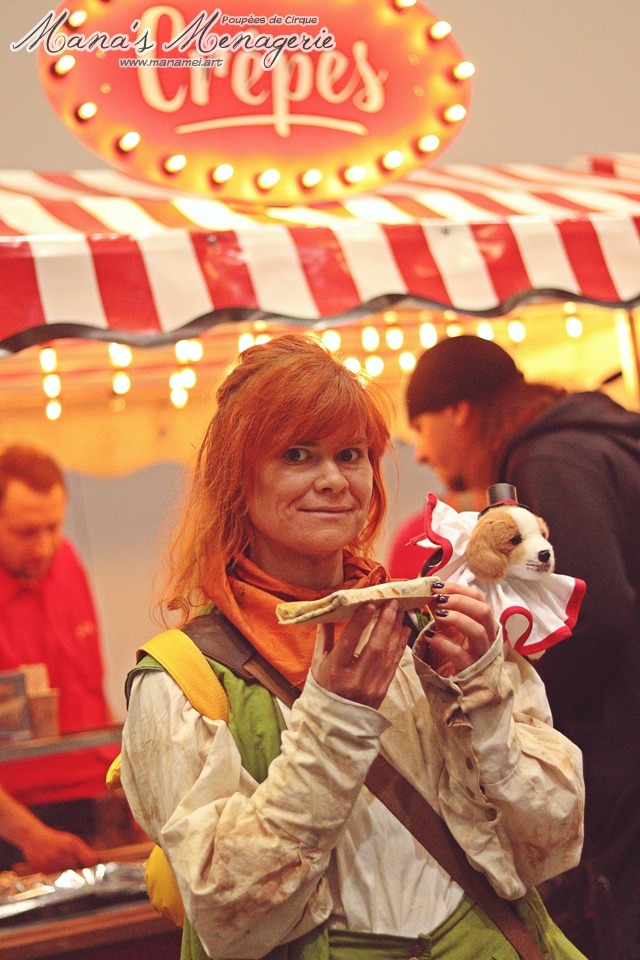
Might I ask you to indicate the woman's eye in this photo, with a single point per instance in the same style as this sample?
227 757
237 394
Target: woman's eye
295 455
516 540
350 455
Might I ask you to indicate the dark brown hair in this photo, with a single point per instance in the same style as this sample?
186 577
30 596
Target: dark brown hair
31 466
499 417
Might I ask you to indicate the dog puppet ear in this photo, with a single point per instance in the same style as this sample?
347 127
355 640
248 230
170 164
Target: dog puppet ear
483 555
542 526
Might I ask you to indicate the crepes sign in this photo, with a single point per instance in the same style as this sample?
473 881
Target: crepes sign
257 101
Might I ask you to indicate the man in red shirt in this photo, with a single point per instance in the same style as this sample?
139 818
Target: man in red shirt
48 805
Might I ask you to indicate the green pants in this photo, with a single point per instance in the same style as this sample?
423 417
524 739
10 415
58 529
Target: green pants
466 935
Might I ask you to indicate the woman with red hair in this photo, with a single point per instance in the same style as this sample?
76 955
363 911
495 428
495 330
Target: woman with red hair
278 847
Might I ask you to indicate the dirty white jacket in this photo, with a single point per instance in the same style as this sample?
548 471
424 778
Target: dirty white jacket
259 865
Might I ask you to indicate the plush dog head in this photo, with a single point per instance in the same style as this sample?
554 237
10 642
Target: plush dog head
509 541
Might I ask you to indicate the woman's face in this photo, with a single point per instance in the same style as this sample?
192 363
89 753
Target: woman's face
307 504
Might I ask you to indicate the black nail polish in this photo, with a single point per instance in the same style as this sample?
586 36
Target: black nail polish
441 613
429 632
437 585
441 597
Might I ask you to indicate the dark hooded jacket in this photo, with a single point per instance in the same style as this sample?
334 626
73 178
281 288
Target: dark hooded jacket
578 466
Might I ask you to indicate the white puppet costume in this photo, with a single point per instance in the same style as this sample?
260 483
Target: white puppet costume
535 613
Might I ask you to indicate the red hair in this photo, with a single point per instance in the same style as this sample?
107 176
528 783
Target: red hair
280 393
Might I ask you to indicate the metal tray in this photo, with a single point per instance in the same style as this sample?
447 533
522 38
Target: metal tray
73 892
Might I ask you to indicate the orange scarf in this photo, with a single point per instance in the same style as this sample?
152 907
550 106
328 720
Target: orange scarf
248 598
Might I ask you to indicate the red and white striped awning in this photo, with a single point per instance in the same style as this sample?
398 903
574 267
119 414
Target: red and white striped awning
94 253
624 165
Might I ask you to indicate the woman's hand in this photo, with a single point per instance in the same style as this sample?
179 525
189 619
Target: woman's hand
463 630
362 675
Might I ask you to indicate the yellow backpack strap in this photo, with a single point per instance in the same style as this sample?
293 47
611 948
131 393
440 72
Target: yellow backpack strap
184 662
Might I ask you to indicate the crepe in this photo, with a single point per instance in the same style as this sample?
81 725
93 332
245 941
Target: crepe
341 605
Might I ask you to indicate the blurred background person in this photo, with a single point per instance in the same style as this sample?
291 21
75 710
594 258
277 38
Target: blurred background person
574 459
50 807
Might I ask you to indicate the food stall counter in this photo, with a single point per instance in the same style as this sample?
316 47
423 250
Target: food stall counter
134 932
98 928
122 930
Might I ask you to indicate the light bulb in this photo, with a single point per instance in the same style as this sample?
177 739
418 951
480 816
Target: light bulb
428 335
222 173
120 354
354 174
407 362
374 366
268 178
176 163
48 360
331 339
51 385
121 383
440 30
370 338
129 141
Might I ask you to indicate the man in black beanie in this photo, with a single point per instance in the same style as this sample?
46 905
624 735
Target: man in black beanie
574 459
449 382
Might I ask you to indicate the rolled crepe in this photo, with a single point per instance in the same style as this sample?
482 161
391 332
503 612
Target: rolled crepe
341 605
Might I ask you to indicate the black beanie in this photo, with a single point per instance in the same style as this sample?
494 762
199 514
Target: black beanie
458 368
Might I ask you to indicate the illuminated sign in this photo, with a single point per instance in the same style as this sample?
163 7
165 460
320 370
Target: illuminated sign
260 102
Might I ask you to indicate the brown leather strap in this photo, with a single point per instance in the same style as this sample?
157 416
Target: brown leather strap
272 679
419 817
385 782
218 639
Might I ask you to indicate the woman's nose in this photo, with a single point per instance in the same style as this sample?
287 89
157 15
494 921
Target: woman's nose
330 477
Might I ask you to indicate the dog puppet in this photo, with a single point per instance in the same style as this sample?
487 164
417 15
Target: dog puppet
509 541
505 553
